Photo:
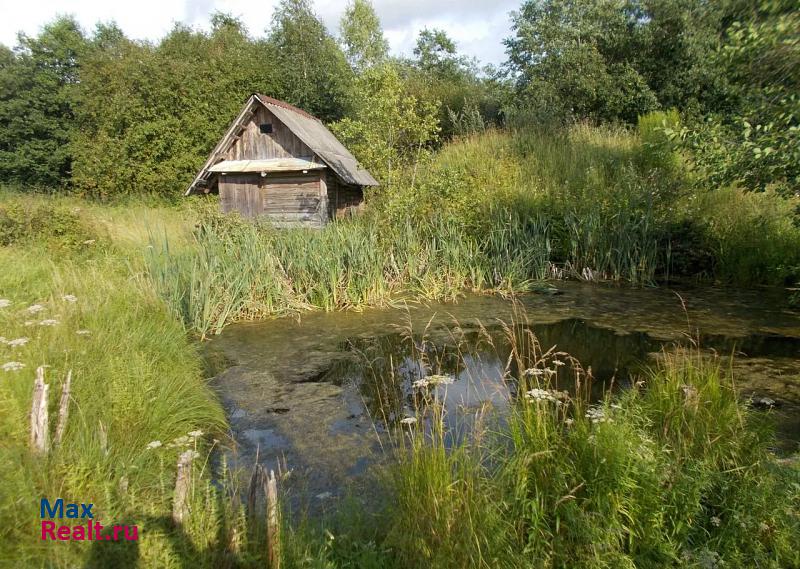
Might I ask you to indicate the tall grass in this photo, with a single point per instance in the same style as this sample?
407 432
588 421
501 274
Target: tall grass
136 378
248 271
674 471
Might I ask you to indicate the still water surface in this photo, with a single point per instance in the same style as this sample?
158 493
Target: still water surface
315 393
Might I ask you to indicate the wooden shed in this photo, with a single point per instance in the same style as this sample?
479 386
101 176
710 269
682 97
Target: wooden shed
277 162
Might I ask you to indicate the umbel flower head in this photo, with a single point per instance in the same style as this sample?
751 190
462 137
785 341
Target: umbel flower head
433 381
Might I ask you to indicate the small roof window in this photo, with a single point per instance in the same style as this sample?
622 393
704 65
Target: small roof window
265 128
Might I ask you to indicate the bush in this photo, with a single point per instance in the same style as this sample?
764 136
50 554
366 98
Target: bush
36 221
752 235
658 145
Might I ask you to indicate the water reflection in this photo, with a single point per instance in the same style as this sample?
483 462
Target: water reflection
315 394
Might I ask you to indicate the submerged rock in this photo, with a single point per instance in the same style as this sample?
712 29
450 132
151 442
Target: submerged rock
764 403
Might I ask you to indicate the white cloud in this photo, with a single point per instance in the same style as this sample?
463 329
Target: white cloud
478 26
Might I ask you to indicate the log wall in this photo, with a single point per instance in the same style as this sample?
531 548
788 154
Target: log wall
342 198
283 199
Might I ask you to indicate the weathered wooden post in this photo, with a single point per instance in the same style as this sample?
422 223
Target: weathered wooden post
180 504
103 431
39 420
63 409
252 491
273 522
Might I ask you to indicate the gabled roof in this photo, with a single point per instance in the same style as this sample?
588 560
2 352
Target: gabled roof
304 126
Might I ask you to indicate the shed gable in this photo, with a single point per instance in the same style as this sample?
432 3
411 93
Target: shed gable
253 144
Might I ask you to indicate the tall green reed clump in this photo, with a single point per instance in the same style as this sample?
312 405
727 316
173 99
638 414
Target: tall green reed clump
674 471
605 196
236 271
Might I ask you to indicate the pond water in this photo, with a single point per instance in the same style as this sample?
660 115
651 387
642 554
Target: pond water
314 394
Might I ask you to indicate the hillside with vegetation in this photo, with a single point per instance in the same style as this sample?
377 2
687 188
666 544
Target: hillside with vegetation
636 143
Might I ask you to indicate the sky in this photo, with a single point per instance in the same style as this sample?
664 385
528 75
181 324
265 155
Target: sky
477 26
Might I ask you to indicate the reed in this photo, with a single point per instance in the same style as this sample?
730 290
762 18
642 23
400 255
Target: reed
674 471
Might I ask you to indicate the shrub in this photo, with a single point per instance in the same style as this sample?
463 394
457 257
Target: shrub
37 221
752 235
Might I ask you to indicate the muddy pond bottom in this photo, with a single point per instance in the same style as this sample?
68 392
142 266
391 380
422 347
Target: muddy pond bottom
313 396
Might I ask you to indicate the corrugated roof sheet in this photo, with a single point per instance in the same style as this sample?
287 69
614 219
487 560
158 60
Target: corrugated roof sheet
319 139
269 165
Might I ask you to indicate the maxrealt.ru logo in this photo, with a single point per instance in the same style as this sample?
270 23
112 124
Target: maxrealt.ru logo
91 531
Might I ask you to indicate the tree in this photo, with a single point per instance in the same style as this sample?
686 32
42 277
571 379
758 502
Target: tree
580 58
150 114
754 140
388 128
362 35
436 52
314 71
37 90
439 73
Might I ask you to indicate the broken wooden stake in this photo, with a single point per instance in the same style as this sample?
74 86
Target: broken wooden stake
252 491
273 523
39 421
63 409
180 504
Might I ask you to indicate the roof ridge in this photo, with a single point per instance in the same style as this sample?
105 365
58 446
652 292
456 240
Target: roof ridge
273 101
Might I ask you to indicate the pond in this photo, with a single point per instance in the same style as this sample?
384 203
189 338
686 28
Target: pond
313 395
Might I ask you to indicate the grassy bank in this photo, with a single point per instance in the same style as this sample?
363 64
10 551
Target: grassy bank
74 300
674 472
496 212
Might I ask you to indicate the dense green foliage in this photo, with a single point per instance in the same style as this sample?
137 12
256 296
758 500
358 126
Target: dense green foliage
38 90
731 67
109 116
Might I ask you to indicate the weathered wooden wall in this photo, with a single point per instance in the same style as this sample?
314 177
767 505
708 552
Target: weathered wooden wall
283 199
281 143
341 197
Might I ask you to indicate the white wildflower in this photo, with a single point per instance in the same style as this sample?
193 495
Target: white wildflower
34 308
420 383
568 422
3 340
153 444
4 303
196 434
597 415
29 323
70 298
88 241
535 372
536 394
83 332
558 363
715 521
408 420
13 366
48 322
17 342
440 379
